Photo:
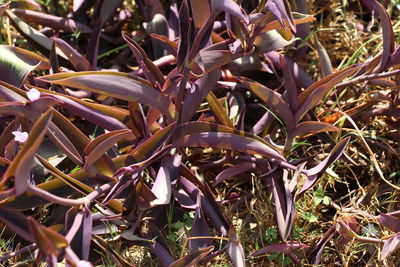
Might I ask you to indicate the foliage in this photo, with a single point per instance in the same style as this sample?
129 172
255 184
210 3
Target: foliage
116 157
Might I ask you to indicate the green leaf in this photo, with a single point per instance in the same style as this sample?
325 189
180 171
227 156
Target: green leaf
326 200
318 196
310 217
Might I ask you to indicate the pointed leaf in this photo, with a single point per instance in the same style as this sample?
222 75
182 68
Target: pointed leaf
151 71
234 171
312 127
96 148
115 84
235 249
199 229
313 94
107 117
315 254
192 259
77 60
16 63
47 20
16 222
108 9
227 141
317 171
48 240
147 148
273 100
39 40
391 222
169 171
184 26
80 224
390 245
20 167
229 7
388 36
218 110
209 206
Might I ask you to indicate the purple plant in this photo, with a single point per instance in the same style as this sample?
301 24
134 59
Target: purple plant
149 120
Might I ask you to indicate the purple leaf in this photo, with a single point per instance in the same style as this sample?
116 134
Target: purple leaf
229 7
344 230
96 148
285 247
317 171
17 222
313 94
390 246
269 41
228 141
115 84
92 112
315 254
274 102
235 249
184 34
92 49
108 9
146 149
64 143
312 127
57 23
281 10
184 199
210 208
290 86
162 254
20 167
39 40
301 77
388 37
79 231
77 60
151 71
195 96
199 229
33 94
391 222
234 171
169 171
284 204
211 60
193 258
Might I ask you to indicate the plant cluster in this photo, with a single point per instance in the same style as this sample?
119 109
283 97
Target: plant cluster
99 157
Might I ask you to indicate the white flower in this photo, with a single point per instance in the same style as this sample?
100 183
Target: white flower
20 136
33 94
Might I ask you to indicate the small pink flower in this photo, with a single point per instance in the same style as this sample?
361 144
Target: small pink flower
20 136
33 94
84 264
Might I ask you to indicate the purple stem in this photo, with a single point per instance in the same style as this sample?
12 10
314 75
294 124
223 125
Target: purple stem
368 77
56 199
19 252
